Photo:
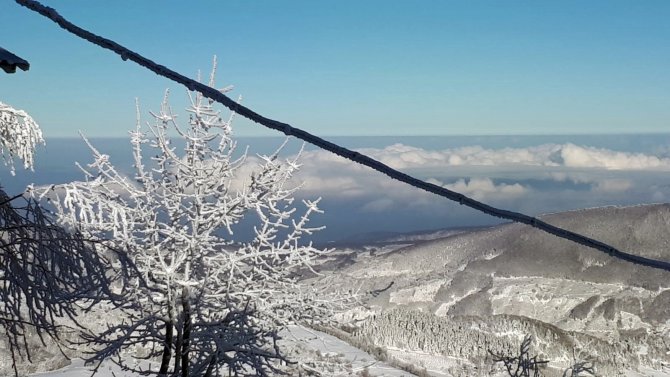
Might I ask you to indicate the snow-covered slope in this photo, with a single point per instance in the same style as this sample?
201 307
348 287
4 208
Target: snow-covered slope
441 304
330 355
514 271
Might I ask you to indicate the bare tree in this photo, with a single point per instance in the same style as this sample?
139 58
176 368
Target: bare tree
46 273
580 367
203 302
523 364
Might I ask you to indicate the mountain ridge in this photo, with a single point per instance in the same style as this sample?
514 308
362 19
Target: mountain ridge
516 270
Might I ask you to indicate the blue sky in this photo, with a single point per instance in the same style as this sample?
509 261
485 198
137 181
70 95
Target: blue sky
357 67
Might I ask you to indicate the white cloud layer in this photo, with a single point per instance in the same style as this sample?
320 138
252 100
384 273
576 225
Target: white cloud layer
401 156
473 171
330 176
483 188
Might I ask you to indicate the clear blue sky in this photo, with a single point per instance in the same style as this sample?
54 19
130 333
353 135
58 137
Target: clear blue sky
357 67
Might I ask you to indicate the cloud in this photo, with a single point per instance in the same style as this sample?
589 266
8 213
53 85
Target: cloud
401 156
332 177
343 186
378 205
484 188
589 157
533 180
613 185
326 174
659 196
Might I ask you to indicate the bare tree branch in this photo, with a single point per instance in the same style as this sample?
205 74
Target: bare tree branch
46 274
522 364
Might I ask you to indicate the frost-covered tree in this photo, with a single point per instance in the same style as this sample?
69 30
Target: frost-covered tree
203 302
46 273
19 135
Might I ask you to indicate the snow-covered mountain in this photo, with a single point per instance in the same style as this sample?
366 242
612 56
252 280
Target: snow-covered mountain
455 297
440 300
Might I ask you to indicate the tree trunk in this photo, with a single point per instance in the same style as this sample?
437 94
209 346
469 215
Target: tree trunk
177 350
210 367
167 348
186 332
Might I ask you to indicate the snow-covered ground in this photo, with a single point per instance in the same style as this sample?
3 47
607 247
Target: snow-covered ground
78 369
435 276
329 345
352 360
648 372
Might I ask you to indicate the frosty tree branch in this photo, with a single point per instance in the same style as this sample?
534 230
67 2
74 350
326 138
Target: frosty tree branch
19 135
336 149
45 273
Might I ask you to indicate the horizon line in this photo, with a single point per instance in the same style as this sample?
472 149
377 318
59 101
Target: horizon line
650 133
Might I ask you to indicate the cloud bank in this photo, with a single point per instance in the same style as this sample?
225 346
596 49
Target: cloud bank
329 174
534 180
401 156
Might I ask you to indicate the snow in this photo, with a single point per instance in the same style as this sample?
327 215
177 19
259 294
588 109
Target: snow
295 337
436 365
648 372
420 293
327 345
78 369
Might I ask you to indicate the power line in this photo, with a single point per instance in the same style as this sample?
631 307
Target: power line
362 159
